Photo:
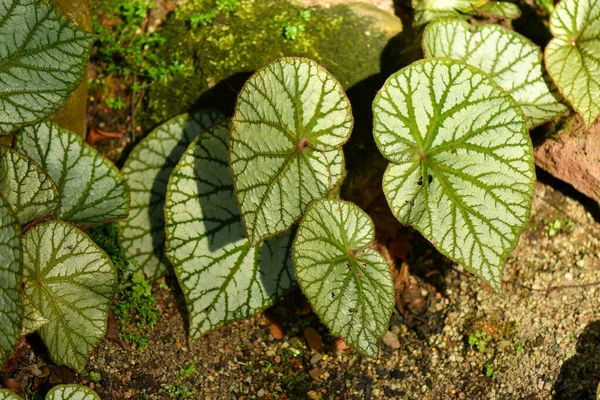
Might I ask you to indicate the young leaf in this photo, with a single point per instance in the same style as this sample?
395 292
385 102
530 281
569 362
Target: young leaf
43 58
573 55
223 278
461 168
512 60
290 122
11 308
348 284
71 392
429 10
6 394
147 171
92 189
26 187
72 282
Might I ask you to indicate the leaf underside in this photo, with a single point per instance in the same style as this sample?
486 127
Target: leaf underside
92 189
71 392
461 168
429 10
72 282
223 277
348 284
43 56
147 172
573 55
11 308
512 60
26 187
290 122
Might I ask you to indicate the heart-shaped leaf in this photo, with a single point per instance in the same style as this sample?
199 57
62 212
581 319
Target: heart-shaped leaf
348 284
11 308
147 171
92 189
72 282
71 392
516 64
290 122
429 10
26 187
573 55
461 167
43 57
223 278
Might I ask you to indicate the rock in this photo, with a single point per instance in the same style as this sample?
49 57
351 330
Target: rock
313 338
316 373
391 340
260 393
340 345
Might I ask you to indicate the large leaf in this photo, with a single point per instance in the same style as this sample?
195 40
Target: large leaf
147 171
223 278
72 282
26 187
10 281
461 167
71 392
429 10
348 284
92 189
512 60
573 55
290 122
42 59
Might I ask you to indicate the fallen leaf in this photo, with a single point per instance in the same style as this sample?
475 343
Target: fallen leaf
95 135
274 327
313 338
112 331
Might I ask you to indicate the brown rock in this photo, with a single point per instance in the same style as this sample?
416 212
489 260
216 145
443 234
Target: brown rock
340 345
313 338
316 373
275 328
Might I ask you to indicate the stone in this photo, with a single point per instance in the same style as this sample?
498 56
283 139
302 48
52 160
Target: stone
391 340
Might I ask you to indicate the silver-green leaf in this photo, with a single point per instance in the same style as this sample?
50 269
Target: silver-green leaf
6 394
290 121
430 10
91 187
71 392
43 58
348 284
147 171
26 187
512 60
223 277
11 307
573 55
72 282
32 317
461 168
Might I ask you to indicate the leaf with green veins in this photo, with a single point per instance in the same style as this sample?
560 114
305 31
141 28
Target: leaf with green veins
32 317
147 172
71 392
429 10
573 55
291 120
43 57
72 282
26 187
6 394
92 189
11 307
461 168
348 284
223 278
498 9
512 60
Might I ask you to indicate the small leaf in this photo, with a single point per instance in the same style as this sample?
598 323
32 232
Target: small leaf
92 189
348 284
147 171
10 281
429 10
26 187
461 167
71 392
72 282
516 64
6 394
44 58
32 318
290 122
223 278
573 55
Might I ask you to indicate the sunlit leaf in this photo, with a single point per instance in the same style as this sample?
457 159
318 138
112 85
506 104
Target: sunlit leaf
72 282
32 317
461 168
348 284
43 57
71 392
512 60
290 122
223 278
573 55
92 189
26 187
429 10
147 171
11 308
497 9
